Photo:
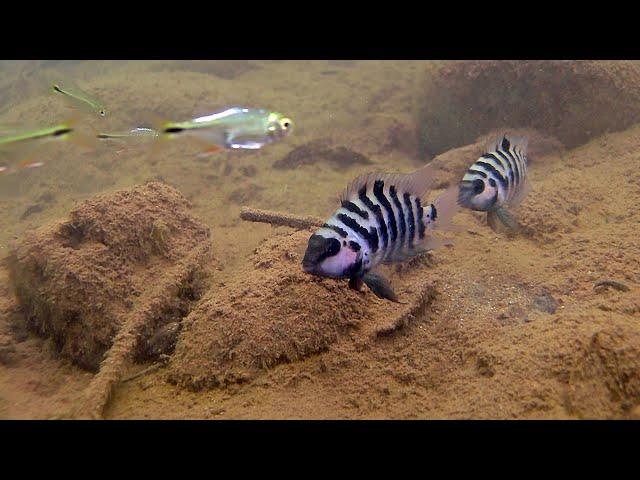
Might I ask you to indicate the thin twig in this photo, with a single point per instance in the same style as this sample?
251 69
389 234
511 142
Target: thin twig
99 390
279 218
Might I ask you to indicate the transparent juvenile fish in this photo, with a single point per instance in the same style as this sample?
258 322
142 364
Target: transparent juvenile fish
24 144
382 219
496 181
133 133
232 128
78 97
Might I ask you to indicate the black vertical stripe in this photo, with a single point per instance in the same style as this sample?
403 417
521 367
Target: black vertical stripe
410 219
506 165
370 236
378 192
377 211
401 222
353 208
420 215
512 170
336 229
493 172
478 172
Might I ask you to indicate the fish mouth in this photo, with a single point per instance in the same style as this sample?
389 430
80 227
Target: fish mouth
309 267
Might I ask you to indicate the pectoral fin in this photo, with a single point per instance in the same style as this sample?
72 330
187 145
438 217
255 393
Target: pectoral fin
504 217
380 286
355 283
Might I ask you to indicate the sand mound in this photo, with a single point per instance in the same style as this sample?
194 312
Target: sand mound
76 279
573 101
276 313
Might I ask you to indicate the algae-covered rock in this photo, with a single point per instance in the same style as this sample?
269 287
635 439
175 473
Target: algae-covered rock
76 279
573 101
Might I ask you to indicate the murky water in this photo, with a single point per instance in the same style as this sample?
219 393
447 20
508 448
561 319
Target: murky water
517 320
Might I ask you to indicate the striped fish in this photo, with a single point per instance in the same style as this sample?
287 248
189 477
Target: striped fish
382 219
497 180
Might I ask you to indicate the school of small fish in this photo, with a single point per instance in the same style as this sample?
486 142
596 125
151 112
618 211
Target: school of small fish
383 217
232 128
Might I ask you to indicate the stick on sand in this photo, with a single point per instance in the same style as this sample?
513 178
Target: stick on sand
150 306
279 218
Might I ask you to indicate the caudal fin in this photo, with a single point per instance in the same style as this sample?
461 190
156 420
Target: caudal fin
445 208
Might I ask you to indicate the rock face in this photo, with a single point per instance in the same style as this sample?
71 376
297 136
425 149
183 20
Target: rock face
277 313
573 101
76 279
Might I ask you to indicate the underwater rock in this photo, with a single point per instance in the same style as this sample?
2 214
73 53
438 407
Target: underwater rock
572 100
320 151
274 312
77 279
545 303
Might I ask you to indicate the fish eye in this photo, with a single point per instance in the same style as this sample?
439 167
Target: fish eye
103 113
285 123
334 248
478 186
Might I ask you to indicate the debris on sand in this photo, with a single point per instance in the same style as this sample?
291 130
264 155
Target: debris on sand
604 284
79 280
274 312
320 150
279 219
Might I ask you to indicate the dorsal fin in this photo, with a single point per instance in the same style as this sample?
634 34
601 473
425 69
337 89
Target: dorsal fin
416 183
507 142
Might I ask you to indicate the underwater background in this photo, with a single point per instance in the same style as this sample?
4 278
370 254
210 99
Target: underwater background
541 324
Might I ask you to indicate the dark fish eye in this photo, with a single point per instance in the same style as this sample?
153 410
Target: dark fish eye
334 248
286 124
478 186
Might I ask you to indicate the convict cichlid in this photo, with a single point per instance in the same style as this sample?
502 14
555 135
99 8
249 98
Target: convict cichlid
382 219
497 180
232 128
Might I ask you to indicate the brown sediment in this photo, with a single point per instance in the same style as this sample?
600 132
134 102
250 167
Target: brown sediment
320 150
150 306
279 218
78 279
572 100
490 346
276 313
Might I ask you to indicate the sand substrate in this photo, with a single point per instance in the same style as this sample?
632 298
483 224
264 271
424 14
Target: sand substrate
76 279
274 313
572 100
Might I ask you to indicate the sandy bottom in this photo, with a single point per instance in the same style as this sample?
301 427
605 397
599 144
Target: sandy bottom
487 347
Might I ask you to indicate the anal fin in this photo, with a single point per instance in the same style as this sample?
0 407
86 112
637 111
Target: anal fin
503 217
380 286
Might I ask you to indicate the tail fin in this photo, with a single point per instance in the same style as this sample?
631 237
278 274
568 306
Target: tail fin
445 208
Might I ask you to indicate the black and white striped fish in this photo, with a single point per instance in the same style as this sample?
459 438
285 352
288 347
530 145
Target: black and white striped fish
497 180
382 219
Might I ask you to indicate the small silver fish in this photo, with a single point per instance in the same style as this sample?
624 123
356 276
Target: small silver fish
232 128
382 219
497 180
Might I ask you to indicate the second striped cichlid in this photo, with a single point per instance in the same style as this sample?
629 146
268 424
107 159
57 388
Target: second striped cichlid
232 128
